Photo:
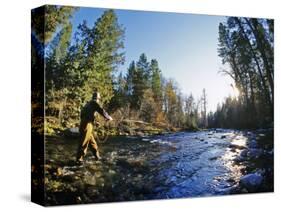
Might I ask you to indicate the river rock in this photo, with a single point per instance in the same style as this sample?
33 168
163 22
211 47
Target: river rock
244 153
252 144
111 171
90 180
173 179
74 131
139 133
251 182
239 159
218 130
98 174
254 153
145 139
68 178
249 133
236 146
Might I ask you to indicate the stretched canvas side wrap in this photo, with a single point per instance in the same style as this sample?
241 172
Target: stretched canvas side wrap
134 105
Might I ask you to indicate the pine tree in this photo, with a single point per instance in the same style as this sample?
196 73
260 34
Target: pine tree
170 102
103 44
74 72
52 17
138 80
204 108
156 84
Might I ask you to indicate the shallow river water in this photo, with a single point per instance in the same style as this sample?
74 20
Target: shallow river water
183 164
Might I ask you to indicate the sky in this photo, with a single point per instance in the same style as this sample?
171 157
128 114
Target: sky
185 46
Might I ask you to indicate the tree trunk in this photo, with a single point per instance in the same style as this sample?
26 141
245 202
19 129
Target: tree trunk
253 24
266 92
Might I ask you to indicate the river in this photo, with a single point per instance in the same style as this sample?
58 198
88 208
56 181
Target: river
177 165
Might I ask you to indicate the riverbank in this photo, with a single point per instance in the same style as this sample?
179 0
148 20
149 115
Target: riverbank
129 128
126 127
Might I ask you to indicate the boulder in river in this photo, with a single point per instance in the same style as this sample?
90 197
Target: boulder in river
252 144
244 153
255 153
239 159
251 182
139 133
72 132
236 146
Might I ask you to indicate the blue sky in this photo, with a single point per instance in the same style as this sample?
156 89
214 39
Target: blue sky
185 46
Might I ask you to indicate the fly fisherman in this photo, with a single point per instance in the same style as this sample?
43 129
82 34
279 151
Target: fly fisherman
86 127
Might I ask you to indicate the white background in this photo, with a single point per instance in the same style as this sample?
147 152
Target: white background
15 104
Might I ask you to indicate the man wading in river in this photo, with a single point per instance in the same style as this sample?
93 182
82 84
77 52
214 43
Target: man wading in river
86 127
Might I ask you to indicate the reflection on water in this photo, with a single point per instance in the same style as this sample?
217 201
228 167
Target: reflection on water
240 140
202 165
235 170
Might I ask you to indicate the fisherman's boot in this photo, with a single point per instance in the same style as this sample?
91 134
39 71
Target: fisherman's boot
97 154
80 160
80 155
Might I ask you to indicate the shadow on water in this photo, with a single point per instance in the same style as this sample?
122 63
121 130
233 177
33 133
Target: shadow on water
185 164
